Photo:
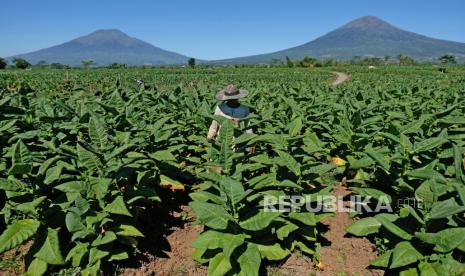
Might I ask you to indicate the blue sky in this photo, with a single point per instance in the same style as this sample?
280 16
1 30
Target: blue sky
210 29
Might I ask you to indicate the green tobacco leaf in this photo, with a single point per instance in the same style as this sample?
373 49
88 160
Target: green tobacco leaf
362 163
379 158
250 260
374 193
204 196
321 169
233 190
259 221
404 254
428 144
96 255
219 265
364 226
212 239
212 215
77 253
118 207
383 260
36 268
17 233
427 269
21 154
393 228
295 127
286 160
10 185
409 272
88 159
50 250
118 255
163 155
458 163
108 237
273 252
445 208
72 187
128 230
445 240
73 222
284 231
98 132
309 218
53 174
21 159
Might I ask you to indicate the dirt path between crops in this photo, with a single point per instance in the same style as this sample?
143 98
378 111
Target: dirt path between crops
345 255
340 78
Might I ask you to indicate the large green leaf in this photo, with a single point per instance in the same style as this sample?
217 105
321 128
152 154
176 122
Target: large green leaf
98 132
128 230
286 160
250 260
17 233
219 265
88 159
364 226
259 221
212 215
118 207
404 254
273 252
233 190
445 208
212 239
392 227
295 126
36 268
50 251
445 240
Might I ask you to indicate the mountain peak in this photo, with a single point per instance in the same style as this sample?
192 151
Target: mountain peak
368 23
105 35
106 46
108 32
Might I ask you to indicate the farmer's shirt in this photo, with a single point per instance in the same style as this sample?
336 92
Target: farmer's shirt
226 111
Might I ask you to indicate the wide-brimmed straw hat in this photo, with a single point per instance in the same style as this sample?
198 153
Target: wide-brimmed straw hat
231 92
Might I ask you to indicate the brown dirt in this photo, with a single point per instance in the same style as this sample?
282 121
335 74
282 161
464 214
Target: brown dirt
345 254
340 78
176 256
12 261
296 264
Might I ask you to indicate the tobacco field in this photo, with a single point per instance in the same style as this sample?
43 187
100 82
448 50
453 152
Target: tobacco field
87 157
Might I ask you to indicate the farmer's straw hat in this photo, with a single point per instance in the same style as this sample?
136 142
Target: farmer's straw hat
231 92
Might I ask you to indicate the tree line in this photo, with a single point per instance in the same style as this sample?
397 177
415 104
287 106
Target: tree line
401 59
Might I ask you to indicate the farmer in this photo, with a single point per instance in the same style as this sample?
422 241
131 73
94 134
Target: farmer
230 108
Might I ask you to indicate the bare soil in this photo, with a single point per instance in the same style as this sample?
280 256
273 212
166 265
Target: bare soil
12 262
174 255
340 78
346 255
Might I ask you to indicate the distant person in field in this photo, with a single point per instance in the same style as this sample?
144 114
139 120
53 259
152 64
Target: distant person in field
230 108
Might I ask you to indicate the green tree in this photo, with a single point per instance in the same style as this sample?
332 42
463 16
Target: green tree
41 63
87 63
3 63
289 62
116 65
57 65
191 62
21 63
405 60
447 59
308 62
